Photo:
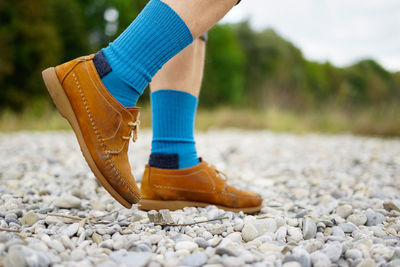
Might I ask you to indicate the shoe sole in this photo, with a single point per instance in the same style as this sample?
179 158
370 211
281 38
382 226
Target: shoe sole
148 204
64 107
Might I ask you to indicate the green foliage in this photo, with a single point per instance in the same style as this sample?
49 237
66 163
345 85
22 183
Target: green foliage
244 68
224 68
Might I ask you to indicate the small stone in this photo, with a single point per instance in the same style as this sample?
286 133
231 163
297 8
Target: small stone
291 264
11 220
154 216
390 205
378 231
107 244
249 232
77 254
344 211
30 219
67 243
224 251
194 260
269 247
235 237
52 220
295 234
67 202
97 238
366 263
357 219
374 218
57 245
24 256
233 261
348 227
189 245
201 242
353 254
281 233
319 259
130 258
337 231
309 228
71 230
166 216
301 214
333 250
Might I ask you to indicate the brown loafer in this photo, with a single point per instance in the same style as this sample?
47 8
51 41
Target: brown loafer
198 186
101 124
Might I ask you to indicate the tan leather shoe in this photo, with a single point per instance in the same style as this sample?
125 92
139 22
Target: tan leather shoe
101 124
198 186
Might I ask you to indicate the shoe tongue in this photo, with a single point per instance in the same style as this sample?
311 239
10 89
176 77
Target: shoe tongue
135 111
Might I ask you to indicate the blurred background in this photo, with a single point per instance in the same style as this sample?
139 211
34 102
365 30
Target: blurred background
297 66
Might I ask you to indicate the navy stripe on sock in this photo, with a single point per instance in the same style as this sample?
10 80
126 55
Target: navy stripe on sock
101 64
164 161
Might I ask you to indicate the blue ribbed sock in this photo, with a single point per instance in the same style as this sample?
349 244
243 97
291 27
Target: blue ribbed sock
173 145
154 37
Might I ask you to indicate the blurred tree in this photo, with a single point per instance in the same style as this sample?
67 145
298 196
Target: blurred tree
29 44
224 68
243 66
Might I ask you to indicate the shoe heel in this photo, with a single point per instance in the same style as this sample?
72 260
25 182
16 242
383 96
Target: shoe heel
57 94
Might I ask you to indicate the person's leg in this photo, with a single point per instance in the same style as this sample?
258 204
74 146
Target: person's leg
162 30
175 177
97 93
174 97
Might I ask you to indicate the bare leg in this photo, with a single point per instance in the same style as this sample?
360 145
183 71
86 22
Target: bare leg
184 72
201 15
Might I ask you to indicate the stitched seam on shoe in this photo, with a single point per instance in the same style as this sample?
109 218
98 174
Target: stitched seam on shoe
111 162
93 69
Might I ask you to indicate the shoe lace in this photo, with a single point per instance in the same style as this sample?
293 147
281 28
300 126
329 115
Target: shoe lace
134 130
218 172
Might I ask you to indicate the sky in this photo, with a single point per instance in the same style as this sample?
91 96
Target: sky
341 31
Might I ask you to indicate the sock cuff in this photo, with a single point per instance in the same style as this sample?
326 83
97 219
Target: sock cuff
163 15
154 37
164 161
173 98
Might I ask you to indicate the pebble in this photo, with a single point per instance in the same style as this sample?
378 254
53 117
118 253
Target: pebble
194 260
67 202
295 234
353 254
366 263
344 211
357 219
338 231
201 242
131 259
348 227
374 218
306 221
30 219
189 245
319 259
309 228
333 250
224 251
25 256
249 232
77 254
71 230
390 205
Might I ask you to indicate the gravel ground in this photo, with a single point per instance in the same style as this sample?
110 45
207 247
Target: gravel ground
328 201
